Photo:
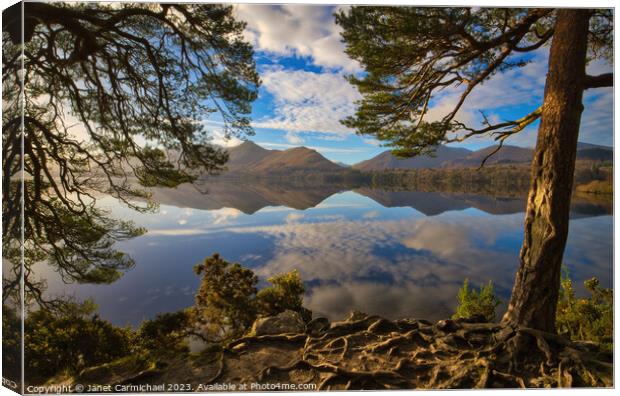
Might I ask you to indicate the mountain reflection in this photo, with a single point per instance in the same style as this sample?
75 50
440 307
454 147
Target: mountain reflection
392 253
250 197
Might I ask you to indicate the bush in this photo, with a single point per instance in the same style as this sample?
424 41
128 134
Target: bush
228 301
71 339
11 343
286 292
165 333
586 319
225 305
472 302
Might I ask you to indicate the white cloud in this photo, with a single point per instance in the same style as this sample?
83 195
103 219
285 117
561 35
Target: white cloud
312 102
219 138
309 102
373 214
296 30
597 117
294 217
224 215
293 138
372 142
178 232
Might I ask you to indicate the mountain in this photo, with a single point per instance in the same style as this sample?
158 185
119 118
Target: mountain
249 157
295 159
507 155
451 157
594 152
514 154
245 156
585 146
386 160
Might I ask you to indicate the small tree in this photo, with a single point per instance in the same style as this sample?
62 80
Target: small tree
228 301
476 303
225 303
285 293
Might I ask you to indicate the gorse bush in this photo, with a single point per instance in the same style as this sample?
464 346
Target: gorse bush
472 303
586 319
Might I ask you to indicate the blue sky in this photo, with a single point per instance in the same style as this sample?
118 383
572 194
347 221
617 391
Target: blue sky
304 94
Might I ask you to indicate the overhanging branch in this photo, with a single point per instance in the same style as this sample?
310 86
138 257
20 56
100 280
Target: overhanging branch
600 81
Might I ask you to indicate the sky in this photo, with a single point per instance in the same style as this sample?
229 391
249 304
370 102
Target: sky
304 93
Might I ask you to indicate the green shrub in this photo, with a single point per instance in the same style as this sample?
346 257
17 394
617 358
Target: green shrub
472 302
286 292
71 339
228 301
166 333
225 305
585 319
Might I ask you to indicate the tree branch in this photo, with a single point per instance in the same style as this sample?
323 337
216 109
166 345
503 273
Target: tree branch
602 80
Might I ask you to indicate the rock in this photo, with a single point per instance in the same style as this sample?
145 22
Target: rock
317 326
283 323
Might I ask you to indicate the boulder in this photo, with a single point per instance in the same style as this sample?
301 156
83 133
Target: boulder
283 323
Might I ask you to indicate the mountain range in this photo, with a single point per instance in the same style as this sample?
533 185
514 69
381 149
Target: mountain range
249 157
451 157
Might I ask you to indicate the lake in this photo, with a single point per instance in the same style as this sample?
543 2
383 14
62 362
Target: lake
392 253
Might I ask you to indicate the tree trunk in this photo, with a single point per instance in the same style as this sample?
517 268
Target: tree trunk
535 294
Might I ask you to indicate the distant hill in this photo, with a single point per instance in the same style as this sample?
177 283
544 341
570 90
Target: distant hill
584 146
249 157
451 157
507 155
594 152
386 160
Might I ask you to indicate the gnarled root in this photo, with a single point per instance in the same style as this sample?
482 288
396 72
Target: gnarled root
373 353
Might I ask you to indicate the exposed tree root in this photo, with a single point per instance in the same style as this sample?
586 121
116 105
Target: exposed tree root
368 352
372 353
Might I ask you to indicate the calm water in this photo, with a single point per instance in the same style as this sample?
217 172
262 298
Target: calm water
396 254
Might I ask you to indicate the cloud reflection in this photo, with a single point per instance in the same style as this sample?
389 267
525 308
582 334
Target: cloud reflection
352 253
409 267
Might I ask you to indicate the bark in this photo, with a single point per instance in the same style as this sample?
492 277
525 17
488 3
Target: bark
535 294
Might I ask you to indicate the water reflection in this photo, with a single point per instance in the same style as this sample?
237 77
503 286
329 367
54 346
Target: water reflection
252 197
397 254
